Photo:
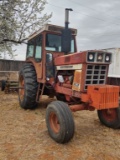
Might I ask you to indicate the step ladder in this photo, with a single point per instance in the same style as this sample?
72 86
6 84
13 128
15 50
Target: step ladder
40 90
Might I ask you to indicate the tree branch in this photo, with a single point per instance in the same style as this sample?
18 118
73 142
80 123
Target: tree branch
13 41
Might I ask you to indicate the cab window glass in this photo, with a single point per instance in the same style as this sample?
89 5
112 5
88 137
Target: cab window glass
72 46
53 43
34 48
30 48
38 48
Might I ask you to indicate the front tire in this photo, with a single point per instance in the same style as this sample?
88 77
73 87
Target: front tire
27 87
110 117
59 122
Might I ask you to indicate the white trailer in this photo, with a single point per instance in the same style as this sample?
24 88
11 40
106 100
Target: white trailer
114 69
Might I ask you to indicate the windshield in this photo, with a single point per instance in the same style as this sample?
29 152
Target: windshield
53 43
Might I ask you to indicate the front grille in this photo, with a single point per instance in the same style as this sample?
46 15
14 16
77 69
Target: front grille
95 74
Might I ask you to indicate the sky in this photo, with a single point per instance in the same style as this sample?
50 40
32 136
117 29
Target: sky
97 22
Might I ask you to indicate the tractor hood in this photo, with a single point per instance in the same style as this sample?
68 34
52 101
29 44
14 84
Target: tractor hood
92 56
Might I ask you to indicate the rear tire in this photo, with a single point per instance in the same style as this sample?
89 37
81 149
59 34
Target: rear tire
59 122
28 87
110 117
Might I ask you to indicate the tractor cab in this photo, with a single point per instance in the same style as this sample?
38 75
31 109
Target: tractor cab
45 45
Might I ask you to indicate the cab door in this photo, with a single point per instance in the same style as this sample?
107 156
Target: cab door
35 55
38 56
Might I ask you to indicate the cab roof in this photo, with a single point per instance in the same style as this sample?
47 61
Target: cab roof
52 28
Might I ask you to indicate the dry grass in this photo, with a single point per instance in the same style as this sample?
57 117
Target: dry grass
23 135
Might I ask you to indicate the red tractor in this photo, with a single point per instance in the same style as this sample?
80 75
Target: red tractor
78 80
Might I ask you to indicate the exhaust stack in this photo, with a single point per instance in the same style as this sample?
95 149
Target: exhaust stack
67 17
66 34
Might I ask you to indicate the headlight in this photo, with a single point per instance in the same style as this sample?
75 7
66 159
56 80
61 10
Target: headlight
91 56
100 57
108 58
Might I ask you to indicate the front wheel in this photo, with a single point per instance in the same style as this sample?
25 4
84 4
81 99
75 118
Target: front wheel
110 117
59 122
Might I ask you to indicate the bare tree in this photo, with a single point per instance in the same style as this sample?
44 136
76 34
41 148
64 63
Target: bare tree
18 19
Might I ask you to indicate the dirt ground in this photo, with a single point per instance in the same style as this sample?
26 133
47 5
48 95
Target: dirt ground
24 136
